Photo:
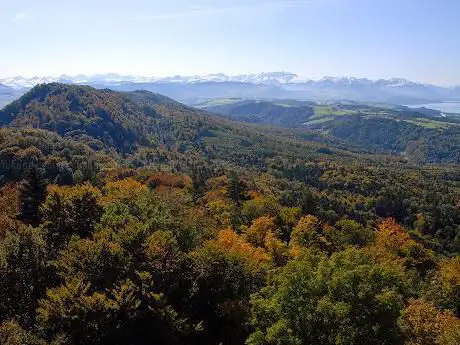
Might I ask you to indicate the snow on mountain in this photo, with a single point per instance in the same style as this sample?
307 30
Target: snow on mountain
344 81
397 82
196 88
21 82
278 78
272 78
266 78
282 79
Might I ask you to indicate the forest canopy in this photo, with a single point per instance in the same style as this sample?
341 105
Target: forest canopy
128 218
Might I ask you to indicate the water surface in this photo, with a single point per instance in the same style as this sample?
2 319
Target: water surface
447 107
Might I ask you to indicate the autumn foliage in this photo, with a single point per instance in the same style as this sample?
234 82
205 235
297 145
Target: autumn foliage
144 257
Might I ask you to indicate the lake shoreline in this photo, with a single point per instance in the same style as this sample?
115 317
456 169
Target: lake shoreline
445 106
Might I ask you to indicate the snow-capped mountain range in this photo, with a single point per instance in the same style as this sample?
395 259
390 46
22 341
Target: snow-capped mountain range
279 78
271 78
272 85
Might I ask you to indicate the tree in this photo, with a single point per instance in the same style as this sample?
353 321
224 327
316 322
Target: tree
11 333
309 232
236 189
392 237
70 211
164 258
24 273
9 209
65 175
350 299
443 285
423 324
131 312
32 193
347 232
258 230
199 176
225 272
98 261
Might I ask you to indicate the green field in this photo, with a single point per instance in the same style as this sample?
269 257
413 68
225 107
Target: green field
319 120
218 101
325 110
433 124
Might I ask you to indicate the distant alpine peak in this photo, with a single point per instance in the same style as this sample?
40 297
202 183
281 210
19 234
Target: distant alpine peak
401 82
19 82
345 80
265 78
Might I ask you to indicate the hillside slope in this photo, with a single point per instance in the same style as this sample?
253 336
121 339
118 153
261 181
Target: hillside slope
57 126
420 135
114 119
128 122
257 111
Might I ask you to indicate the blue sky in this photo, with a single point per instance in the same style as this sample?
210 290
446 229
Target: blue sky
414 39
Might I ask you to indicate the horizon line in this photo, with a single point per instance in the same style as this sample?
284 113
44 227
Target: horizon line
294 75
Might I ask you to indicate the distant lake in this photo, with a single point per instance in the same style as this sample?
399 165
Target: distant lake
447 107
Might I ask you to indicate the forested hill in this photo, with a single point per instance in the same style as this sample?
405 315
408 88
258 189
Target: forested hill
282 113
129 218
121 120
421 135
127 121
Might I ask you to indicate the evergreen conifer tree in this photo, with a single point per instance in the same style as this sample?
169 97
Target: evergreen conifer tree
32 193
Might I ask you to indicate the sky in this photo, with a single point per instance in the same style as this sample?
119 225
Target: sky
414 39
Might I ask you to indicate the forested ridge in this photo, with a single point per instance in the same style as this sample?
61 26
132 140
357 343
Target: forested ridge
420 135
129 218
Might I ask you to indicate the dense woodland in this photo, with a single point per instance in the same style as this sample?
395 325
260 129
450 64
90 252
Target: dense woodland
272 113
128 218
421 135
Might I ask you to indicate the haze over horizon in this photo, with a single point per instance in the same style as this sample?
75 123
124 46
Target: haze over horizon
282 77
415 40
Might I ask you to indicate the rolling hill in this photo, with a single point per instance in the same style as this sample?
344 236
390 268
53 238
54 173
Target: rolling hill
422 135
123 124
103 116
283 113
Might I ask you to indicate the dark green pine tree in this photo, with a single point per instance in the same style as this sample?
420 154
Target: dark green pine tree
32 193
236 189
199 175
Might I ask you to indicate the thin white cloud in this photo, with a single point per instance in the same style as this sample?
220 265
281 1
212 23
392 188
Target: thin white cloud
214 10
21 16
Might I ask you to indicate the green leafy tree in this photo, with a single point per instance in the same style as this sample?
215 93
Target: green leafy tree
24 274
442 285
224 273
164 259
129 313
99 261
70 211
348 232
350 298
